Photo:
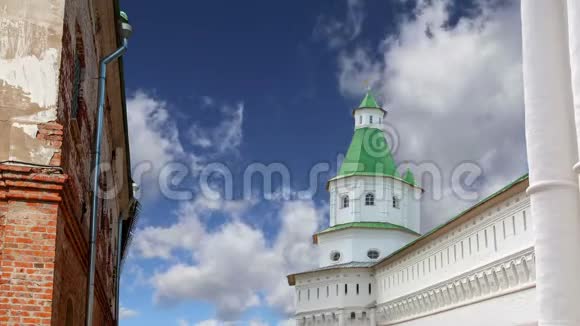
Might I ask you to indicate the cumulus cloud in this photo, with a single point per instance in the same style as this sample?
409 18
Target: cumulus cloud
226 136
126 313
338 32
155 139
214 322
287 322
453 92
236 267
187 232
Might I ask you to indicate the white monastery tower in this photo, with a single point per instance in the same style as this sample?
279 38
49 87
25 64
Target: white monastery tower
375 268
373 210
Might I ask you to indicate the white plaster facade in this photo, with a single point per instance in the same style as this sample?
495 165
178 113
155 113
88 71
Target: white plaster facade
479 269
354 244
384 188
370 118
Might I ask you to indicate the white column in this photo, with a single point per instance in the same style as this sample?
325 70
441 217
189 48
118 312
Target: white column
341 321
573 12
552 151
373 317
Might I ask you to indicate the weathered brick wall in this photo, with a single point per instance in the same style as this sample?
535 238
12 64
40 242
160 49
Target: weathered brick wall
30 213
44 213
88 32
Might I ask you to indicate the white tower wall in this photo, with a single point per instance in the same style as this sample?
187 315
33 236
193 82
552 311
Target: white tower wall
353 244
368 118
407 214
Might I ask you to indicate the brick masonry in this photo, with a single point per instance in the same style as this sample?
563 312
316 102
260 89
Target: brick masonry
44 211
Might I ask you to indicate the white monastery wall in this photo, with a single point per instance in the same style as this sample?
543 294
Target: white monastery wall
330 290
481 272
513 309
482 258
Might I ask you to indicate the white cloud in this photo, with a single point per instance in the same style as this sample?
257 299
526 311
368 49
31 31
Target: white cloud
152 132
125 313
257 322
188 232
155 139
287 322
454 93
338 33
226 136
209 322
235 266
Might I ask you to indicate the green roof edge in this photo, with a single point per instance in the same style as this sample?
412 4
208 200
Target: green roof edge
368 225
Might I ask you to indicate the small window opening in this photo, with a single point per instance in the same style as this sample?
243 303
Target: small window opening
396 202
370 199
373 254
335 256
345 202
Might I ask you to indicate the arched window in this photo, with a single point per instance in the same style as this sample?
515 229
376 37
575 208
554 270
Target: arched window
360 119
357 291
396 202
370 199
352 315
345 201
371 119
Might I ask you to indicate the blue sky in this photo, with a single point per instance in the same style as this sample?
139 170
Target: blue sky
228 84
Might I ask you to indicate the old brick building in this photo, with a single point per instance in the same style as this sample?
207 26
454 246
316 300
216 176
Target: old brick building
49 60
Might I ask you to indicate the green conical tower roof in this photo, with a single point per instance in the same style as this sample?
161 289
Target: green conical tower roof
409 177
369 102
368 154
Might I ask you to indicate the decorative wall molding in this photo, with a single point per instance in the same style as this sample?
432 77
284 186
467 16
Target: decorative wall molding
463 231
507 275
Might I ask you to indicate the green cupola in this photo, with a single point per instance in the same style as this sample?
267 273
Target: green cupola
368 154
369 102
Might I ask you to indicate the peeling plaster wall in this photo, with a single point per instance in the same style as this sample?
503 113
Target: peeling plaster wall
30 47
40 41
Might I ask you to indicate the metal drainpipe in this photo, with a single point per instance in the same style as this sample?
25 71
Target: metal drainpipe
118 276
93 222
